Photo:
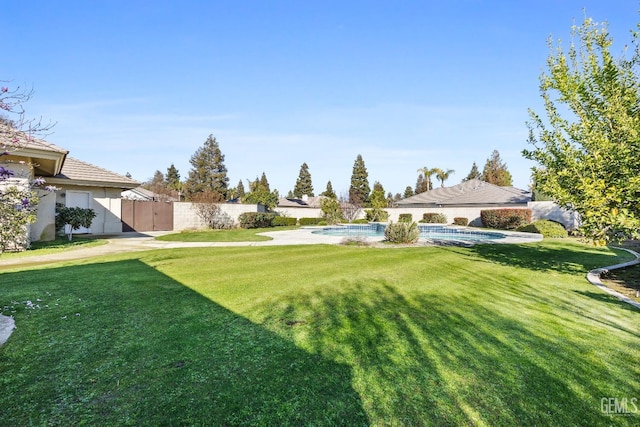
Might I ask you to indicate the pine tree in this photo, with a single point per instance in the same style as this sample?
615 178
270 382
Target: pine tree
378 199
264 182
495 171
208 172
408 192
474 173
328 192
359 190
239 193
172 178
303 183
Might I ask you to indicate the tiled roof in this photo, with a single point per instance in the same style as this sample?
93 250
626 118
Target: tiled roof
8 138
310 202
472 192
83 173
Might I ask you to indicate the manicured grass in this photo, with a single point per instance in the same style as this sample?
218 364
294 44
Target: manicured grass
61 243
234 235
320 335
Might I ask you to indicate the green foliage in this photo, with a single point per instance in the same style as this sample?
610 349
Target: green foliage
259 193
256 219
550 229
458 220
208 172
309 221
405 217
360 221
495 171
424 179
474 173
172 178
74 217
588 146
331 210
283 221
376 215
505 219
443 175
303 183
18 208
328 192
402 232
434 218
359 189
408 192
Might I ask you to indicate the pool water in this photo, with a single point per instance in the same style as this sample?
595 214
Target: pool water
427 231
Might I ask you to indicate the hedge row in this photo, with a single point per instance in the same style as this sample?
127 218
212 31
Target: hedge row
505 219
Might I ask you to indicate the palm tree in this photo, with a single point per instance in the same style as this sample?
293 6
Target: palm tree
444 175
428 173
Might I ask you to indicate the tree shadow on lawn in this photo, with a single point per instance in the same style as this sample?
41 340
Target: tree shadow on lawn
548 256
119 343
434 360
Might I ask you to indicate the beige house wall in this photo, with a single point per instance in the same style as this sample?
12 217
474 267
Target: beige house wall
106 204
185 217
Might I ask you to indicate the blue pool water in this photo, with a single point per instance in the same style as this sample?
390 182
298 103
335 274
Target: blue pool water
427 231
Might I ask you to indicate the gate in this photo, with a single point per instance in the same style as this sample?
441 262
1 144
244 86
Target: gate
140 215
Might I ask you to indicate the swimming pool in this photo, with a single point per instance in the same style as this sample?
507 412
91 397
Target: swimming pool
427 232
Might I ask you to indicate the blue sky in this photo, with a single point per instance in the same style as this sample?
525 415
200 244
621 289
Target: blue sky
135 86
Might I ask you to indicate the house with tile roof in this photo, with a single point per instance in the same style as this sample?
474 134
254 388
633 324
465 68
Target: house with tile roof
78 183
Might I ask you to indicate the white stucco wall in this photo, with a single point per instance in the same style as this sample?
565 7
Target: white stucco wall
106 204
184 217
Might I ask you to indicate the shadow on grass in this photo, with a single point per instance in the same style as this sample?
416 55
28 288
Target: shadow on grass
120 343
544 257
437 361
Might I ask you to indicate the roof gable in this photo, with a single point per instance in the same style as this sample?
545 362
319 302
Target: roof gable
472 192
77 172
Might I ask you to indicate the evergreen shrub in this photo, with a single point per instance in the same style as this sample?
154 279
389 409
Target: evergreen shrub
283 221
434 218
461 221
405 217
547 228
256 219
309 221
505 219
402 232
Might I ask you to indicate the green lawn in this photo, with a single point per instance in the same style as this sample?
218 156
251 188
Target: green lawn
320 335
61 243
234 235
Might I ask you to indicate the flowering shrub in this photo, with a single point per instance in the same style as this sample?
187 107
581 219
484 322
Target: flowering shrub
17 211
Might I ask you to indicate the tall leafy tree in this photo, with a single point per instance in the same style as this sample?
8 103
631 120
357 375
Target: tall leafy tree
443 175
208 172
422 184
408 192
426 179
495 171
239 191
328 192
303 183
259 192
587 149
474 173
359 189
172 178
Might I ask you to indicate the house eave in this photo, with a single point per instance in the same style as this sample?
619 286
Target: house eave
89 183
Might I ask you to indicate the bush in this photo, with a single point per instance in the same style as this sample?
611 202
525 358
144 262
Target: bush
402 232
550 229
376 215
256 219
405 217
360 221
461 221
309 221
434 218
505 219
282 221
